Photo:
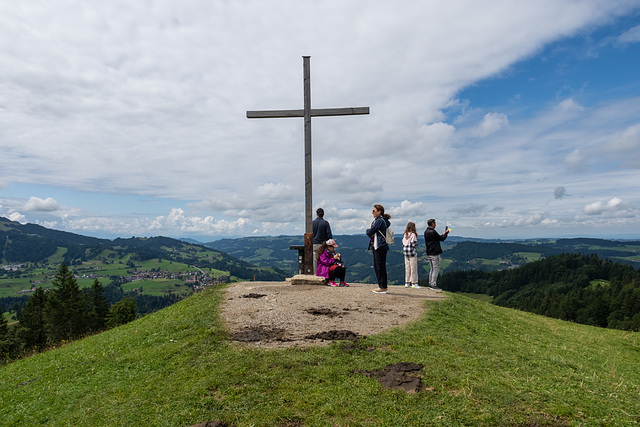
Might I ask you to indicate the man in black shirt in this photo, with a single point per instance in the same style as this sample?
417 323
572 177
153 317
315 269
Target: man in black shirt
432 241
321 233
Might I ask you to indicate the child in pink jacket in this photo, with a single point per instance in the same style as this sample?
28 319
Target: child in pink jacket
330 264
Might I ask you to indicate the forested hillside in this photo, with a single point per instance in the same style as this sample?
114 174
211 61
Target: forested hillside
579 288
155 272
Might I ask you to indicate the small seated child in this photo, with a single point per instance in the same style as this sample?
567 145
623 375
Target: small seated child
330 264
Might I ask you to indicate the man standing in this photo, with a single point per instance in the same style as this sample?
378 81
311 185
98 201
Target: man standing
321 233
432 240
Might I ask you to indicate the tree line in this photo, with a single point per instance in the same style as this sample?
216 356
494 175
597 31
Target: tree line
574 287
61 314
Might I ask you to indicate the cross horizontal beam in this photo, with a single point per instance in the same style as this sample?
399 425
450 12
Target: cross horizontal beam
315 112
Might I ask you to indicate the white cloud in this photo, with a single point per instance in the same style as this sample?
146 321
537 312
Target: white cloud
408 209
345 214
178 222
491 123
530 220
470 209
569 106
625 146
271 192
346 178
149 100
17 217
615 207
436 135
576 160
632 35
524 221
38 204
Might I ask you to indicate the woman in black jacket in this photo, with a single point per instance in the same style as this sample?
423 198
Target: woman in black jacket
377 233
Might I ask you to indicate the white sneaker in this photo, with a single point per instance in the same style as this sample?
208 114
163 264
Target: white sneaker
407 285
416 286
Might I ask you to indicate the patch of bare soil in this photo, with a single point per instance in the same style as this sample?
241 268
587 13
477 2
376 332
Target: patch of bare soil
403 376
278 314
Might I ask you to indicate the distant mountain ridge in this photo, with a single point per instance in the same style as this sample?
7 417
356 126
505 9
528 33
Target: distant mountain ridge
270 256
32 243
459 253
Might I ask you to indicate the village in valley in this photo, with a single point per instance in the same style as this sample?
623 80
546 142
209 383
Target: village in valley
197 279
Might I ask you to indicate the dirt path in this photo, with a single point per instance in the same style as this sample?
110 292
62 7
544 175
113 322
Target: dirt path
278 314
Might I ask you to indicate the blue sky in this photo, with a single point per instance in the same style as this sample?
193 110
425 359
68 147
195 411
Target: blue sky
589 66
505 120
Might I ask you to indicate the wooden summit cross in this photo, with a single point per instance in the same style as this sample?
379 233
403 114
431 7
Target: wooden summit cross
307 112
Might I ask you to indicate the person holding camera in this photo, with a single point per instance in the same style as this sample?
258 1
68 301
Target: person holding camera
330 265
432 240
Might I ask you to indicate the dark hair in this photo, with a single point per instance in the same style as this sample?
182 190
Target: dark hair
431 221
320 212
380 209
411 228
321 249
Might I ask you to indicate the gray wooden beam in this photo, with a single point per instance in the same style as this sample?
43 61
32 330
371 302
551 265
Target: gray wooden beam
315 112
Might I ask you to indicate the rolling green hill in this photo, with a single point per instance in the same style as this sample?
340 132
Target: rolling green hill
37 245
483 365
157 266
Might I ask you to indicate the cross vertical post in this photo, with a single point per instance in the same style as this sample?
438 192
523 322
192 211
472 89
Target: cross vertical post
307 112
308 195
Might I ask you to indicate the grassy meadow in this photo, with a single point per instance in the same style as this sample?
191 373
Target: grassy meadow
483 365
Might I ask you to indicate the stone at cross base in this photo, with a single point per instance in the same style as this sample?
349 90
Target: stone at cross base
307 279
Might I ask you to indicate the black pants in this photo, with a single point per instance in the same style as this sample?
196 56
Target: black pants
337 273
380 267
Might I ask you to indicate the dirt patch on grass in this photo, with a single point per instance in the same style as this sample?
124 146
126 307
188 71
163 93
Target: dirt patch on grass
403 376
285 315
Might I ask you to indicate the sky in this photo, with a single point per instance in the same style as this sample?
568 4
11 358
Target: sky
503 119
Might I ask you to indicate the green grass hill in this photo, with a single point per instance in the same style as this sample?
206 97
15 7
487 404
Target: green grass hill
483 365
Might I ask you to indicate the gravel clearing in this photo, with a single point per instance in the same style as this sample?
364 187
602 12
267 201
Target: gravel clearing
279 314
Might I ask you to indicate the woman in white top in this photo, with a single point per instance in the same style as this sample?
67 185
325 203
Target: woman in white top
410 250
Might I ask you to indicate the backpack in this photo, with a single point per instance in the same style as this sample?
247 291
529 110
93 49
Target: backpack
388 237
